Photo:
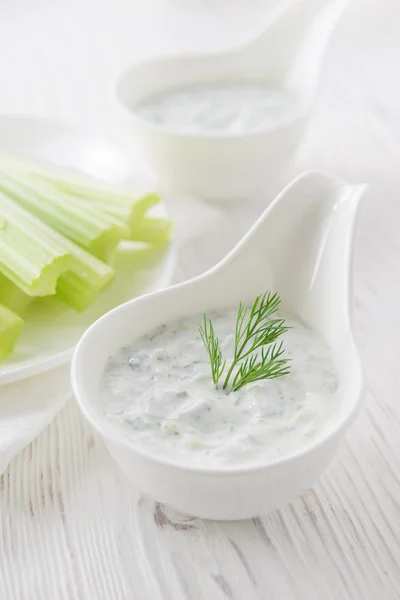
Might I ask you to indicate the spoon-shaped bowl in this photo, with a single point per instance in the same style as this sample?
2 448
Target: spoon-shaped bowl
287 54
301 247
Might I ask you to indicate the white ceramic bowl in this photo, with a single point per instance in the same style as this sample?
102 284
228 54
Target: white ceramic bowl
287 54
301 247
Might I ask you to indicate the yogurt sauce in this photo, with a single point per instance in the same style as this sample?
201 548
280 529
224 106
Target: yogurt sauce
159 392
229 108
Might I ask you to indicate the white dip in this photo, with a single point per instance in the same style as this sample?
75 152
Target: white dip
159 393
230 108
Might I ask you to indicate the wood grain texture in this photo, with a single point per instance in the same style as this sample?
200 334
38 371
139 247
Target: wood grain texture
72 526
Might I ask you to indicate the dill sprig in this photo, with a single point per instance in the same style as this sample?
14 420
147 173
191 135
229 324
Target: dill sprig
269 366
211 343
255 329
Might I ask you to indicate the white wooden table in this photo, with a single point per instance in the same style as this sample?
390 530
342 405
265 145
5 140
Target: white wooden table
72 526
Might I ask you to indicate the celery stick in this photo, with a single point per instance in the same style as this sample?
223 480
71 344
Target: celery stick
81 285
10 329
25 259
152 230
131 210
91 194
127 208
81 185
86 277
98 231
31 256
122 205
87 187
12 297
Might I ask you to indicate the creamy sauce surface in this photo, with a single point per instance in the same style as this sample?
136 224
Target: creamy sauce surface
160 394
230 108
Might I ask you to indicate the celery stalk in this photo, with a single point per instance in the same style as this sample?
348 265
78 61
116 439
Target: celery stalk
30 255
86 277
90 188
79 185
98 231
80 286
25 258
12 297
131 209
10 329
127 208
152 230
120 204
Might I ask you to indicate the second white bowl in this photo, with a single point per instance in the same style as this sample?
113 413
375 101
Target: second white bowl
287 54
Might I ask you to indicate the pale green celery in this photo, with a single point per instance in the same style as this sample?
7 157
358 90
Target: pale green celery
123 206
25 259
10 329
31 256
13 297
81 285
81 185
131 211
96 230
87 276
152 230
133 261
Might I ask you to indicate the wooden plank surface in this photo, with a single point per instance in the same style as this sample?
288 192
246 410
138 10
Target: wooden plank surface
71 525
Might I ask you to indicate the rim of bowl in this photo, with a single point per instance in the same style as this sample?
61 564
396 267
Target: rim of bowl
110 431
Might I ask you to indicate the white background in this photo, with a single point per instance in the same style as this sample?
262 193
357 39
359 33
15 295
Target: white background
72 526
